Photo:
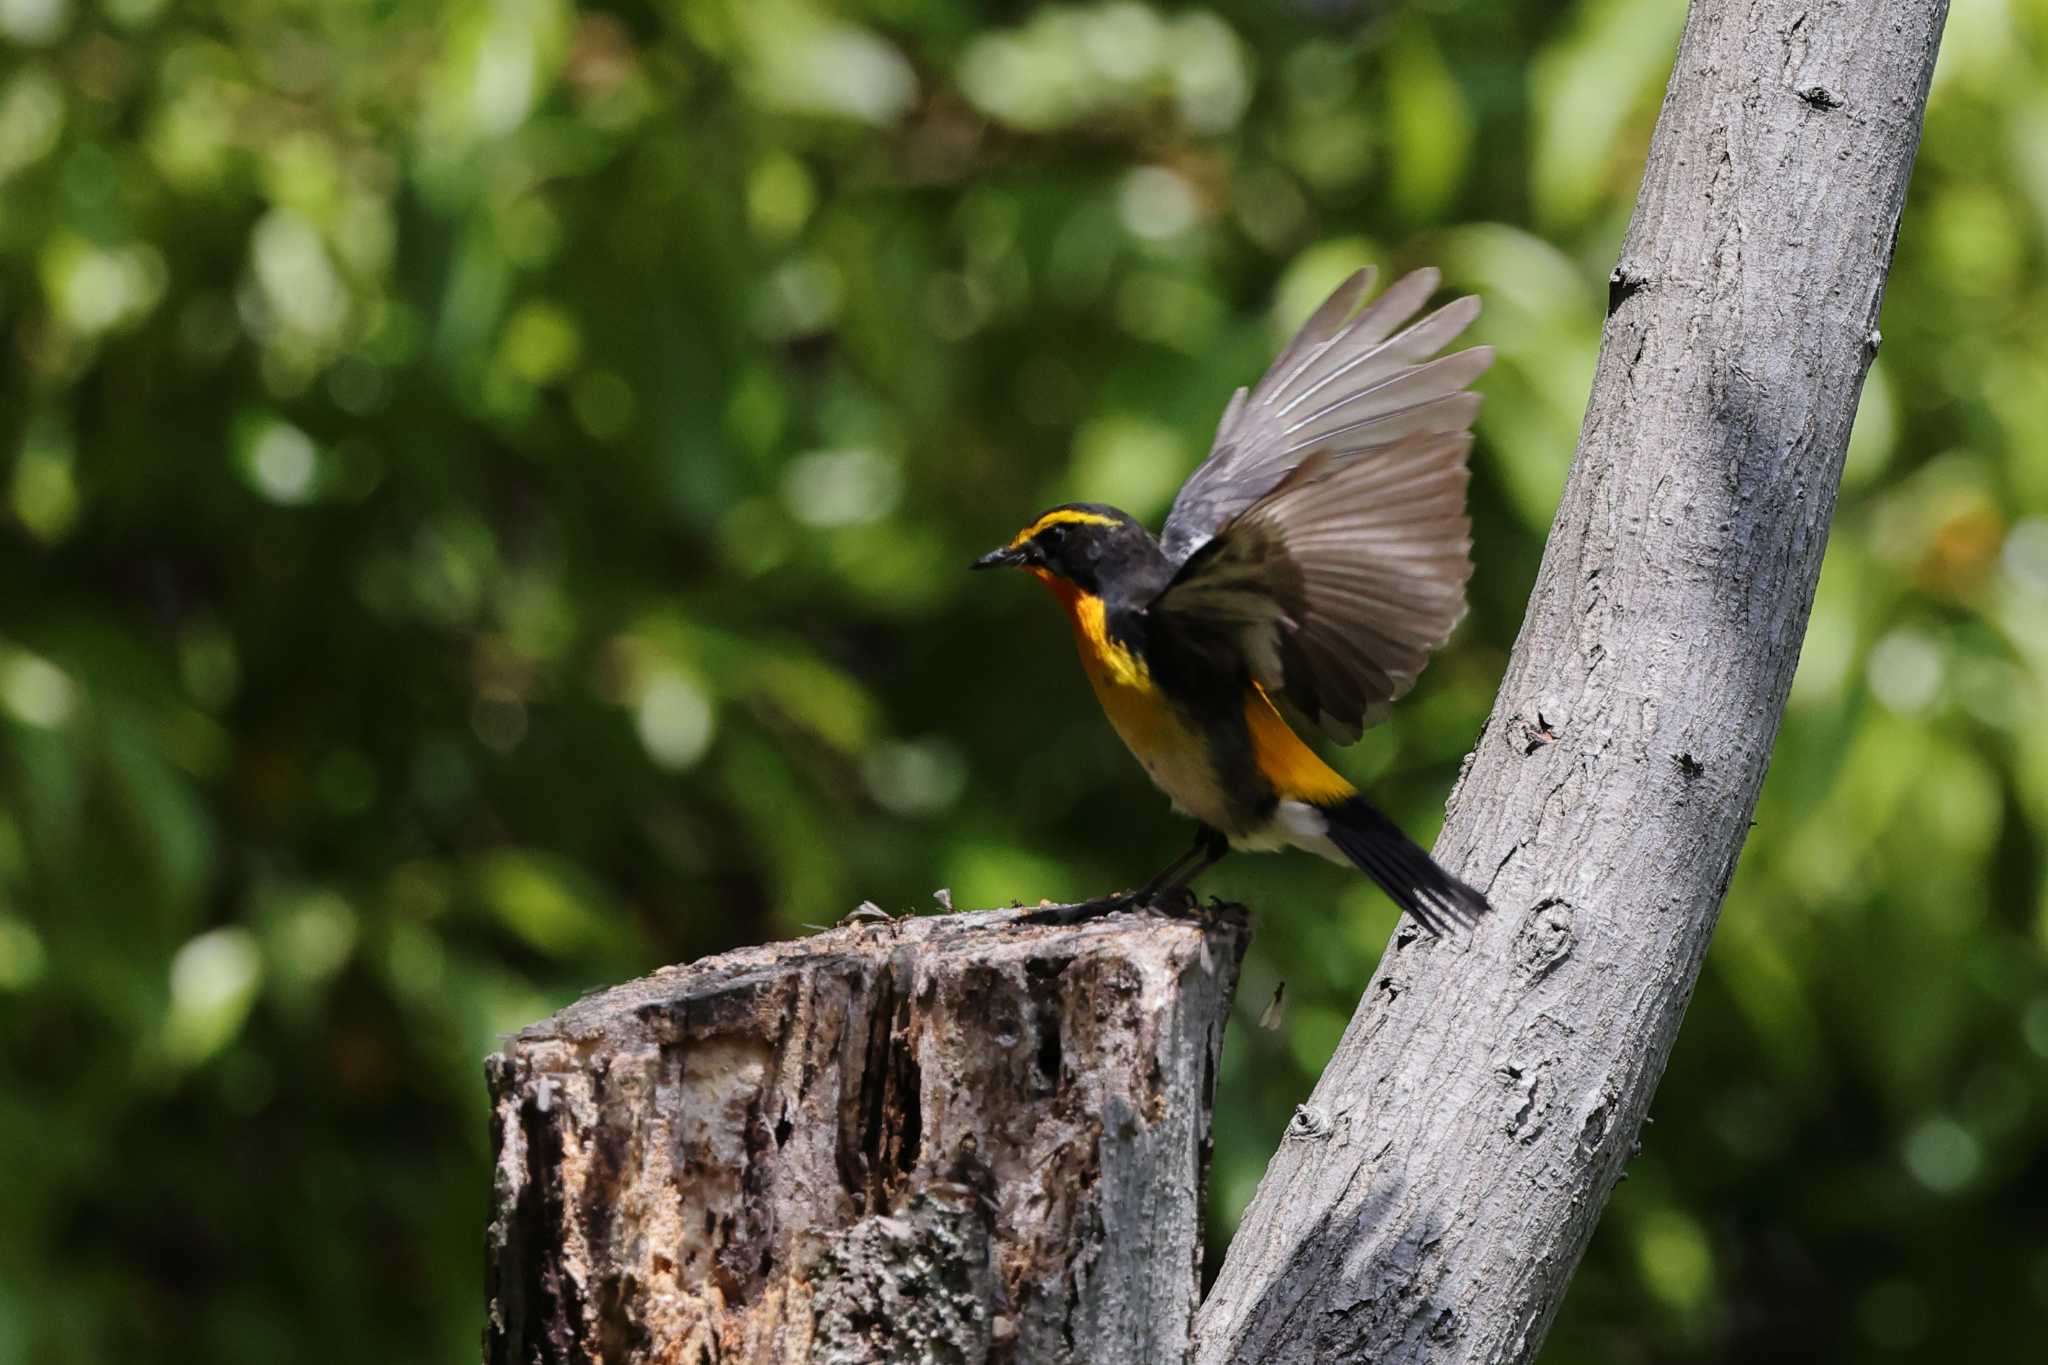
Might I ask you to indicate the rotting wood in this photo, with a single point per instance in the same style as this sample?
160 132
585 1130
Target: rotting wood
957 1139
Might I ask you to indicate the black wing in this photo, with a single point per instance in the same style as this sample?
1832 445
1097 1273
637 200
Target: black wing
1352 383
1337 584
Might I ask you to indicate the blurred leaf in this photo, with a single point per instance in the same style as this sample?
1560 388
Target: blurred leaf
1586 92
485 492
544 900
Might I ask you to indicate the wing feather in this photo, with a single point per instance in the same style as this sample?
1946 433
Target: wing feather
1345 346
1410 347
1337 583
1353 382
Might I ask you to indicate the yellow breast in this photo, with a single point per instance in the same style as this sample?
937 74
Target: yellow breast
1173 755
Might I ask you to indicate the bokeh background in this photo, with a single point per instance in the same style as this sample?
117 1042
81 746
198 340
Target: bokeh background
485 489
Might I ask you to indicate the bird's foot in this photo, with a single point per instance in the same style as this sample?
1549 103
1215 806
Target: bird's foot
1173 902
1082 913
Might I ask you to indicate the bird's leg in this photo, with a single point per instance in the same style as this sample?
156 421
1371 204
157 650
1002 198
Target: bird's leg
1209 850
1172 881
1178 872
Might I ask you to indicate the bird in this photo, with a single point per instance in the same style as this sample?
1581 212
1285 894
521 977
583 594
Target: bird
1307 569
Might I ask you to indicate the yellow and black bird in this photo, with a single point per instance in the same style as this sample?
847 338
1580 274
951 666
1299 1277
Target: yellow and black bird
1314 559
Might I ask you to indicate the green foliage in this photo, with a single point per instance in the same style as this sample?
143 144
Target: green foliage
484 490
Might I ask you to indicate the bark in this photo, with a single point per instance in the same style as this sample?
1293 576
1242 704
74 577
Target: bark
957 1139
1432 1200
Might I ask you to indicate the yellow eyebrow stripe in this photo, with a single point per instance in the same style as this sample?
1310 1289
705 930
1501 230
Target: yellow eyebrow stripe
1059 516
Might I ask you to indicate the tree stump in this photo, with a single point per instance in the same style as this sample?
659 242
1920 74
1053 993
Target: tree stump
961 1138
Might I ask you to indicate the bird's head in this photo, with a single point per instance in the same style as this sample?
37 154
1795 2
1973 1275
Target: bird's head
1078 545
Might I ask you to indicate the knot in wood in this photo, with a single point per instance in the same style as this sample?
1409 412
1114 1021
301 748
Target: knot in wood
1544 940
1622 284
1310 1124
1597 1122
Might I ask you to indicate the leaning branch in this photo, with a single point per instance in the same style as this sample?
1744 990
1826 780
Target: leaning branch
1433 1203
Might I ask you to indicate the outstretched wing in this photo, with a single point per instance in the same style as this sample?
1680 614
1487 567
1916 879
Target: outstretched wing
1336 584
1352 382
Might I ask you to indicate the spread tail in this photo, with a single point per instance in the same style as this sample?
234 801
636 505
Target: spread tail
1404 871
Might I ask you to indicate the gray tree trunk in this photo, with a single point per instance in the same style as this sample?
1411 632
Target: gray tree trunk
1432 1201
956 1139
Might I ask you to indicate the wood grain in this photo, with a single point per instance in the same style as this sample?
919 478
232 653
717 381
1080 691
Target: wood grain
1489 1090
950 1139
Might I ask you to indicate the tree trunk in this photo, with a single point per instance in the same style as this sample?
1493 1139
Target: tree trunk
1432 1201
959 1139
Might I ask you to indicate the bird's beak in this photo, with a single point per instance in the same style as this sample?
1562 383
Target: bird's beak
1009 557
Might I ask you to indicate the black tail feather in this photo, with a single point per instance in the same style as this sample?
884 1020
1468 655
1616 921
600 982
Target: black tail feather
1404 871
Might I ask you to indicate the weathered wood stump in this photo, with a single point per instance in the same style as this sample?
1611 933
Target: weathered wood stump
960 1138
